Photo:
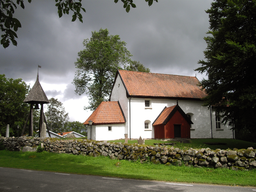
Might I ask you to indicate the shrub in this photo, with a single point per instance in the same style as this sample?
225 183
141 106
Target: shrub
2 147
39 149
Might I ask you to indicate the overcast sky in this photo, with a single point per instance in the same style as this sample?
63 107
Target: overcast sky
166 37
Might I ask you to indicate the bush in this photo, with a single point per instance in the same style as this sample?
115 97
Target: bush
39 149
2 147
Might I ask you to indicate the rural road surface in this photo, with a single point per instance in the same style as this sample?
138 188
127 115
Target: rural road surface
36 181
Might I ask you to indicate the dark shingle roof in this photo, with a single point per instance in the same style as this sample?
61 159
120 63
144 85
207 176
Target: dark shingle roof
36 94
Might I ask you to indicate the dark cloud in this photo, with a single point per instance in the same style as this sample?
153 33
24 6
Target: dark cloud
52 93
69 92
166 37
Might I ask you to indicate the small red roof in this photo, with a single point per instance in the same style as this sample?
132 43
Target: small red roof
167 114
163 116
161 85
108 112
64 133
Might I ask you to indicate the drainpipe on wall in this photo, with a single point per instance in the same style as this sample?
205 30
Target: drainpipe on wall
90 124
130 118
211 121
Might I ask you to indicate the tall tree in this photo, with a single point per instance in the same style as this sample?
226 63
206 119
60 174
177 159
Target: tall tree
97 65
12 109
136 66
56 116
9 25
230 62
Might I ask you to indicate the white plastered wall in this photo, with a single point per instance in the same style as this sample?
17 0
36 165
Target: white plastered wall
200 117
102 132
119 94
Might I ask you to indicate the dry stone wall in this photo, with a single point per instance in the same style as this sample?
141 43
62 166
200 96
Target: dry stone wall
236 159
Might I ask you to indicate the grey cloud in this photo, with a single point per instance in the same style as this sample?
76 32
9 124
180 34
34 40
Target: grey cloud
166 37
69 92
53 93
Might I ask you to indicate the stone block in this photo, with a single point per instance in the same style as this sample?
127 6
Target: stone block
224 159
253 163
141 141
218 165
29 149
249 153
186 158
125 138
229 153
215 160
164 159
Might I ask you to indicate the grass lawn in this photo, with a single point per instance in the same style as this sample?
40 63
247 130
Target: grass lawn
201 143
104 166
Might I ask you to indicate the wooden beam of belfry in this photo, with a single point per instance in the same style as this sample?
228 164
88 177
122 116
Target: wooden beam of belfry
31 120
41 120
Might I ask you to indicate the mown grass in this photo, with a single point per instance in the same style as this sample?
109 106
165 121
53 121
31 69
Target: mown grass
104 166
200 143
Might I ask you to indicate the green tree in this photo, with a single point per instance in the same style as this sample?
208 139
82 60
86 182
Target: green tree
75 126
56 116
128 4
230 63
12 109
97 65
9 25
136 66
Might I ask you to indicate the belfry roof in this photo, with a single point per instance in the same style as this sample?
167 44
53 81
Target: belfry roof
36 94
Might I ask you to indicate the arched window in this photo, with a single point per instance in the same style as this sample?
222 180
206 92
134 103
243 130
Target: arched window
218 120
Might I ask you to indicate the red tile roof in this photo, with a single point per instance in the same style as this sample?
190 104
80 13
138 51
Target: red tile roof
163 116
64 133
161 85
108 112
167 114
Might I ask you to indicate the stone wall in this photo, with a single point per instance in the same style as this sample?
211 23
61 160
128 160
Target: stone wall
236 159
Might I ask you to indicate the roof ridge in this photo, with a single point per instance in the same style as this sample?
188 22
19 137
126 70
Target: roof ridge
156 73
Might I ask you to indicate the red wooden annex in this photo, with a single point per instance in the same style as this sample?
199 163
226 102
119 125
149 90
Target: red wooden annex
172 123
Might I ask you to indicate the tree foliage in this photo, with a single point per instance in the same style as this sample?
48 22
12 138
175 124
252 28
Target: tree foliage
136 66
230 62
75 126
98 63
56 116
12 109
129 3
9 25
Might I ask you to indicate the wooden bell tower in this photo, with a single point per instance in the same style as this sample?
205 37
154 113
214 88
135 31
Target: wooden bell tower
35 97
